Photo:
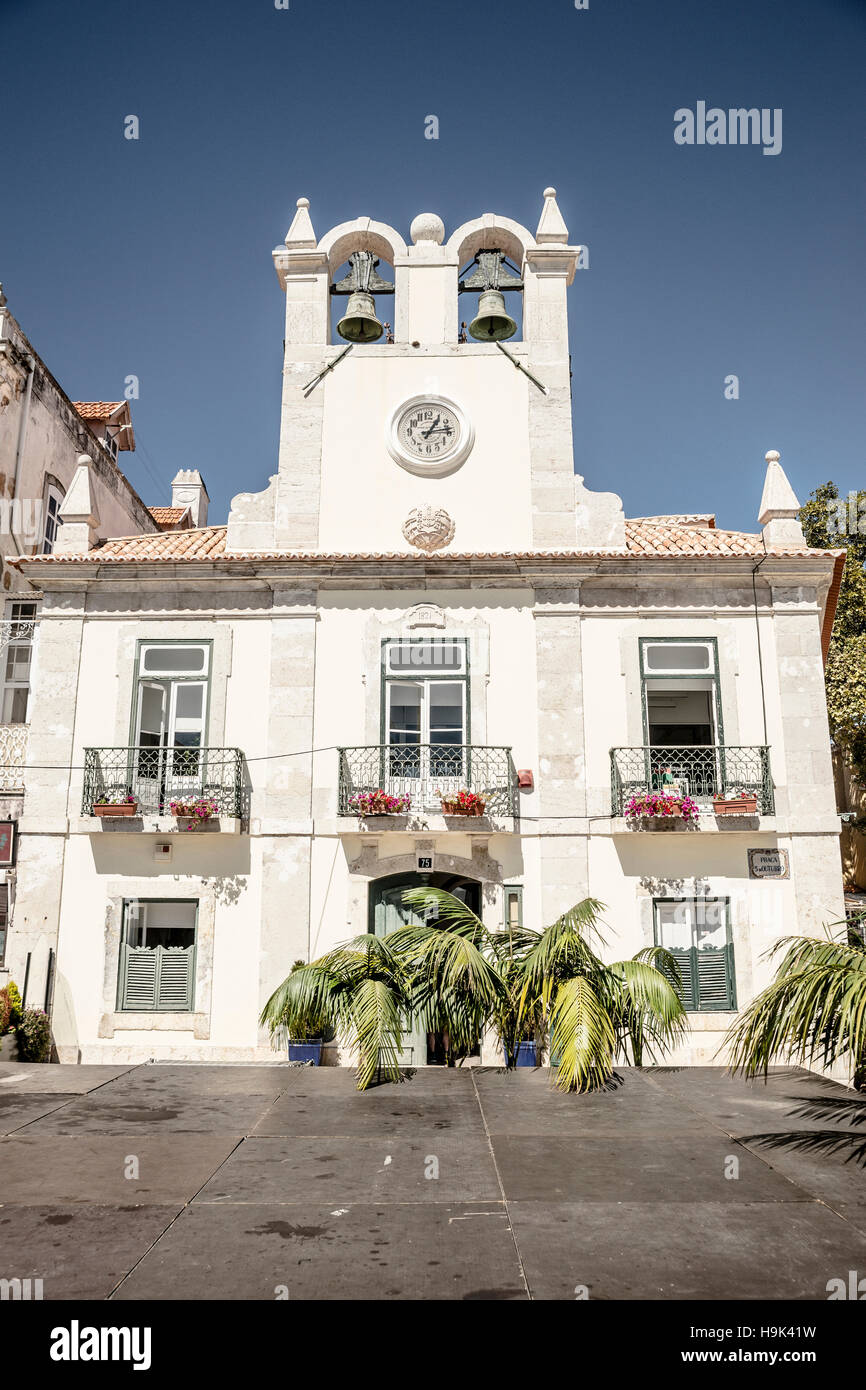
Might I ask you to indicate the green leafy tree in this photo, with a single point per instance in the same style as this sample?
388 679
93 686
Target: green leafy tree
813 1013
831 522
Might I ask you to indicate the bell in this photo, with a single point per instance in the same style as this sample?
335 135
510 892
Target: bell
491 322
359 323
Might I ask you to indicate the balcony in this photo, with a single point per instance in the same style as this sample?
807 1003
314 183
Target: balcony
426 772
157 776
700 772
13 753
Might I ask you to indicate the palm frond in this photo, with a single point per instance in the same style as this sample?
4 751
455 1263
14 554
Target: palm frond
378 1021
582 1036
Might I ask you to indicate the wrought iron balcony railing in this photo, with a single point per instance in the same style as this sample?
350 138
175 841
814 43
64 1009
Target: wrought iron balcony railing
157 776
425 772
700 772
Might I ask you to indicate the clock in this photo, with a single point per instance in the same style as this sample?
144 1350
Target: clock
429 435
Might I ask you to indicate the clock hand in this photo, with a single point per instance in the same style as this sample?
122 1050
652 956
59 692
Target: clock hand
425 434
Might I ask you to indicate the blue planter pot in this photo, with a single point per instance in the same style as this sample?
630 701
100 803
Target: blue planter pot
527 1055
308 1051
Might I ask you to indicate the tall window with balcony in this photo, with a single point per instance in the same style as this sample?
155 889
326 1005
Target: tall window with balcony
19 630
426 714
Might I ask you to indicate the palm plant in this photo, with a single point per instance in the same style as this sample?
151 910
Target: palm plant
813 1012
596 1012
361 988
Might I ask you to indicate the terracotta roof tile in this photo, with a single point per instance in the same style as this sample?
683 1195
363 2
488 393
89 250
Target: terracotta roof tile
97 410
167 518
643 538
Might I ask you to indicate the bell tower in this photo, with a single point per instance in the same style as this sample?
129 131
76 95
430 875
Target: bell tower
432 409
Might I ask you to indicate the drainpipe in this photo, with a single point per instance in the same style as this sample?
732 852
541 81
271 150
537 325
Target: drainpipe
758 640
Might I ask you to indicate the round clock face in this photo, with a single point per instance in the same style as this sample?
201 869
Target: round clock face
429 431
429 435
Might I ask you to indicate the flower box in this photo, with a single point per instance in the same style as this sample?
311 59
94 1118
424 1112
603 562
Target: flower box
107 809
195 813
735 805
379 803
462 803
661 810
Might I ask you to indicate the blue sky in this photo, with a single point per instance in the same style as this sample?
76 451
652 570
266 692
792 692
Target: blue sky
152 257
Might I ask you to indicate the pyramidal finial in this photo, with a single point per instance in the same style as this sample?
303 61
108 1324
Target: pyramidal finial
301 235
551 226
779 514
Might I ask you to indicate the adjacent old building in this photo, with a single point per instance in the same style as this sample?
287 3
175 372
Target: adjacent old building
424 600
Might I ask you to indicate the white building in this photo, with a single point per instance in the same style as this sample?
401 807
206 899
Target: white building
424 598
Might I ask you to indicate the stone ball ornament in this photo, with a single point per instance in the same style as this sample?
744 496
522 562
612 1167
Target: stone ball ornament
428 528
427 226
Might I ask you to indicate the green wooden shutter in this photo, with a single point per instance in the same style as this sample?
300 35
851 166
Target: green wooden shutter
157 978
714 975
685 961
139 973
175 984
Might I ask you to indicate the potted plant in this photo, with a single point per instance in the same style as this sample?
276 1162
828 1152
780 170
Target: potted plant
115 804
379 803
745 804
10 1018
304 1022
34 1036
196 813
462 803
665 809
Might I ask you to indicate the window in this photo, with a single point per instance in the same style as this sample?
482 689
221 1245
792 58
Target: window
170 720
680 693
157 955
4 920
697 932
52 503
425 709
17 657
513 906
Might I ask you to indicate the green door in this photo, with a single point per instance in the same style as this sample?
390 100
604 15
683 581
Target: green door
389 913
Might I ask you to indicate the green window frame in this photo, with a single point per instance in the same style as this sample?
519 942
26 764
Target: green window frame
143 678
708 973
157 979
647 680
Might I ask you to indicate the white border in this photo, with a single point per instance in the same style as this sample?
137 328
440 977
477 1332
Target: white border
445 463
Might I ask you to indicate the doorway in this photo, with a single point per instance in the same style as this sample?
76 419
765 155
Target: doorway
388 912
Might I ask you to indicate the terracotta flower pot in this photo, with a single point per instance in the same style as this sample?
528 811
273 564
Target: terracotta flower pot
735 806
453 808
126 808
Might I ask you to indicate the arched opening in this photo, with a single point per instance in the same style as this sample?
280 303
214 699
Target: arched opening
388 912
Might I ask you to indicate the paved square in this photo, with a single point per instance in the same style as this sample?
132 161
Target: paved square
209 1182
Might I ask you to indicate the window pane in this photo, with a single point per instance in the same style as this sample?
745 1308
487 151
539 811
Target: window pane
172 659
190 701
674 925
677 656
710 924
405 713
425 656
14 706
159 923
446 708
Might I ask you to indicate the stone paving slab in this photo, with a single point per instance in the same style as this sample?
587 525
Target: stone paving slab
45 1169
78 1251
106 1113
19 1110
25 1077
739 1106
416 1251
533 1106
342 1171
399 1110
700 1250
636 1168
164 1078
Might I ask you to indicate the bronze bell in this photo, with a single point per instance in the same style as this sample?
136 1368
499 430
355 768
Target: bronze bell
359 323
492 323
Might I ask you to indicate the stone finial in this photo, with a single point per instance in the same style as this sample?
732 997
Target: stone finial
551 226
188 490
779 514
427 226
300 235
78 512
